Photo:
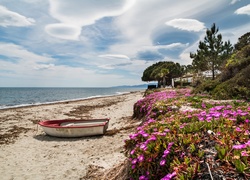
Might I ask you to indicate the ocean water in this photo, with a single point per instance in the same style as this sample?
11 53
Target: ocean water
16 97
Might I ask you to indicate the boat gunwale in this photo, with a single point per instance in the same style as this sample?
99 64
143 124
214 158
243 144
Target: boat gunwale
57 123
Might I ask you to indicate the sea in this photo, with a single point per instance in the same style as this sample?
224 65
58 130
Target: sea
25 96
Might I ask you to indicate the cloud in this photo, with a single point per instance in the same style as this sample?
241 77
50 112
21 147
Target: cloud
76 14
31 1
150 55
10 18
21 54
144 24
168 46
30 69
63 31
57 76
243 10
112 61
184 58
186 24
159 52
44 66
234 1
114 56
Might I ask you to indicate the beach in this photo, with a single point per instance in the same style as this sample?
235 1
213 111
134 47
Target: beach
26 152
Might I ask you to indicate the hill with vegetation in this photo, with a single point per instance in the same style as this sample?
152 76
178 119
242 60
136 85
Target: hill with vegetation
234 81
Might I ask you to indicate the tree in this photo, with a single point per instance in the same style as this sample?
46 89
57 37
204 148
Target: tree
163 72
189 68
242 41
212 52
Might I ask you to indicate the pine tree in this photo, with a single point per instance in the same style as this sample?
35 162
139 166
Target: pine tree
212 52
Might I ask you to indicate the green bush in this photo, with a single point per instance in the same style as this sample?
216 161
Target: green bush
206 86
237 87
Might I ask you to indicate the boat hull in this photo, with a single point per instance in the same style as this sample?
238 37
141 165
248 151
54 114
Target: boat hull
74 128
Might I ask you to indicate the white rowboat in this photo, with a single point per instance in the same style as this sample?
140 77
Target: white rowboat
74 128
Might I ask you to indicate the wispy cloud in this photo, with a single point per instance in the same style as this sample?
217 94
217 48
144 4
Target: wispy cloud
73 16
22 54
63 31
10 18
243 10
234 1
186 24
43 66
168 46
114 56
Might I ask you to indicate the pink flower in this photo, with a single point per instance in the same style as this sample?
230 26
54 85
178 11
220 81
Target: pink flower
248 143
243 113
151 121
217 114
152 138
203 105
162 163
132 152
169 176
238 129
166 130
182 154
143 178
232 119
141 158
244 153
139 128
166 152
240 146
182 126
170 145
209 119
218 108
201 118
203 113
134 161
133 136
143 147
247 132
239 111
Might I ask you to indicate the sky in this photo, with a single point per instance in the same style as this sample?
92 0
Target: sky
103 43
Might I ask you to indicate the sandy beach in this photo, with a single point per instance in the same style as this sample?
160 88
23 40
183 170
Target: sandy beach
26 152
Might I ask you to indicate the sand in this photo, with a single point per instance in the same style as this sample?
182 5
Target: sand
26 152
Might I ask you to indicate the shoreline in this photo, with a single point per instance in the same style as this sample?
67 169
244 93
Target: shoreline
26 152
66 101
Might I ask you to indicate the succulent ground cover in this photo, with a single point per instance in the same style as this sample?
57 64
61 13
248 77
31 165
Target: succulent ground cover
186 136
